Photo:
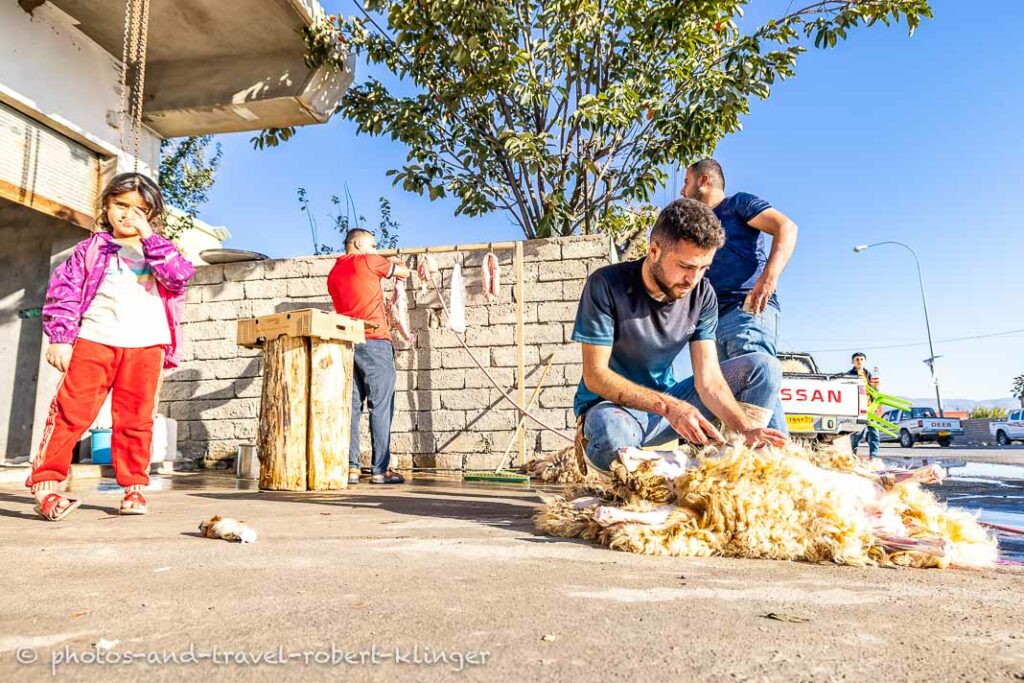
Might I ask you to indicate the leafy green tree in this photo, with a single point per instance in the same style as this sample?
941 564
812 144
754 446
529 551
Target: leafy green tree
562 112
1018 389
345 216
187 172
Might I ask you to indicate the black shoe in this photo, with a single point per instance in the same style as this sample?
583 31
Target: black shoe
389 477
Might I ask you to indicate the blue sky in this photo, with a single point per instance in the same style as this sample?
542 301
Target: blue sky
883 138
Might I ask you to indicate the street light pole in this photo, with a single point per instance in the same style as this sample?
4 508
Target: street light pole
924 302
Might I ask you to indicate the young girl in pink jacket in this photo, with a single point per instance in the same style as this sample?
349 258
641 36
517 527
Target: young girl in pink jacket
111 315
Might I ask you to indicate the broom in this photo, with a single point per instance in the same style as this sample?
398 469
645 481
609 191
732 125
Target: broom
511 477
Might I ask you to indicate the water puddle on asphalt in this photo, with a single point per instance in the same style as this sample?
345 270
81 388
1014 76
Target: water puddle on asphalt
995 493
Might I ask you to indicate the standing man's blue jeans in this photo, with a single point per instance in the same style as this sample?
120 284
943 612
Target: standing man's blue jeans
753 378
872 440
373 380
740 333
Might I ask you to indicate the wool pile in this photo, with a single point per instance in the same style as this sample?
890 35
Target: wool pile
783 504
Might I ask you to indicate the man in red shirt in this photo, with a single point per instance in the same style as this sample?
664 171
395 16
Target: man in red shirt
354 286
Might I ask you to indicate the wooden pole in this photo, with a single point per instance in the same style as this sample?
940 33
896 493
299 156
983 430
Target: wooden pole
520 346
283 414
330 413
522 418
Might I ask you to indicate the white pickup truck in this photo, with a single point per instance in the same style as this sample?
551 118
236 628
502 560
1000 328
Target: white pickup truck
819 405
920 425
1010 430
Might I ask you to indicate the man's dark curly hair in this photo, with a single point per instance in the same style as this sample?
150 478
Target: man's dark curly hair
690 221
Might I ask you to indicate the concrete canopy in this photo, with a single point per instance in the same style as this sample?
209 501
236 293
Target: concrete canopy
218 66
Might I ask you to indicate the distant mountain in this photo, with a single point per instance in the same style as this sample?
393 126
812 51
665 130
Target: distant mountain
966 404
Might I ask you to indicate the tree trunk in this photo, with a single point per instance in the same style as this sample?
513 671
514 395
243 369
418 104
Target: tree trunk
330 413
283 413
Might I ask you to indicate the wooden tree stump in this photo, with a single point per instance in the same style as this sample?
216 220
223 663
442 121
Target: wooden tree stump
330 414
284 410
306 406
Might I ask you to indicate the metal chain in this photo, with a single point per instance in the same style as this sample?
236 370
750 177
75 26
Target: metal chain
123 111
140 81
133 56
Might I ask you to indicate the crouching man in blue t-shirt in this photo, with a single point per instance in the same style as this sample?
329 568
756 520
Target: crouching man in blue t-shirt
635 318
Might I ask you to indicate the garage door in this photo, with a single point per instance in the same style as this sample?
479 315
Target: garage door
45 170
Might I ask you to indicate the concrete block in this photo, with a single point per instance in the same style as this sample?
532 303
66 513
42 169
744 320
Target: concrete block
557 397
542 250
564 353
266 289
444 379
546 291
213 390
411 442
208 329
476 316
494 421
474 259
440 420
544 334
550 443
405 380
233 368
465 399
436 339
562 270
207 275
177 391
288 268
556 311
492 335
585 247
505 314
248 270
572 289
417 400
214 349
225 312
460 358
506 356
463 442
320 266
226 291
483 461
308 287
220 429
595 264
248 387
475 379
553 417
403 422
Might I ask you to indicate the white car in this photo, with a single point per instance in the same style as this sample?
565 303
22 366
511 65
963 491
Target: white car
921 425
1010 430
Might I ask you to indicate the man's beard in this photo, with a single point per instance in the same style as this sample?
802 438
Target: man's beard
657 274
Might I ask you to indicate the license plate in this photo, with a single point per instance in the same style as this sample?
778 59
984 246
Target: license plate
800 423
943 433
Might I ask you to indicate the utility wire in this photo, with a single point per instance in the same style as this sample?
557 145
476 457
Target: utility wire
1007 333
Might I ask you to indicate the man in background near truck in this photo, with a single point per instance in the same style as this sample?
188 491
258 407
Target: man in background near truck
869 379
745 274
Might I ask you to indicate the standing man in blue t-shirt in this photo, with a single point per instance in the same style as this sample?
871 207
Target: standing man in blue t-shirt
634 319
744 273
